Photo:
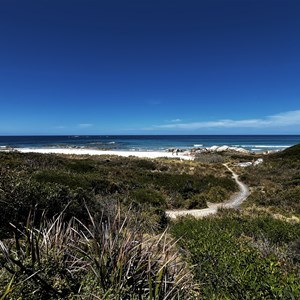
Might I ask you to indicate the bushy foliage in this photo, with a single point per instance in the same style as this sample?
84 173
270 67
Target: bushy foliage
242 257
292 153
209 158
50 183
20 195
148 196
276 182
287 200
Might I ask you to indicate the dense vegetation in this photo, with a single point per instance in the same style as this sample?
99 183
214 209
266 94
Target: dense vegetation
60 236
48 183
95 228
107 260
276 182
240 257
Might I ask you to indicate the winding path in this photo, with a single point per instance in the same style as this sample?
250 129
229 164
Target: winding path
234 202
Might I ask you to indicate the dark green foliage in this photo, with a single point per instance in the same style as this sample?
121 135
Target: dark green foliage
187 185
238 257
19 196
196 201
81 166
148 196
292 153
145 164
72 180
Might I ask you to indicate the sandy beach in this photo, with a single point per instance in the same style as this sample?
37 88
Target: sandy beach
142 154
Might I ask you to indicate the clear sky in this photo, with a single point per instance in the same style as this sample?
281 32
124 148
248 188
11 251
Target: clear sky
149 67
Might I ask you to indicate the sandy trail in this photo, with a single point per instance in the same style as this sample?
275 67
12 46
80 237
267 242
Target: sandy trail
234 202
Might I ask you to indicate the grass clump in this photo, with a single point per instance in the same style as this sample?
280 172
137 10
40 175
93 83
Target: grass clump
109 259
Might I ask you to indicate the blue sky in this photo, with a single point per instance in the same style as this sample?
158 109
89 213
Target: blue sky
149 67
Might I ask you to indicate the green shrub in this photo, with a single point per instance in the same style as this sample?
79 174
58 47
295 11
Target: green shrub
230 262
280 199
196 201
209 158
217 194
148 196
145 164
19 196
81 166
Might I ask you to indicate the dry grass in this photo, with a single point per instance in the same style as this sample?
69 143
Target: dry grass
107 260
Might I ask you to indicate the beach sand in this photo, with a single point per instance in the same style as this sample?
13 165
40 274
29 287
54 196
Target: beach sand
142 154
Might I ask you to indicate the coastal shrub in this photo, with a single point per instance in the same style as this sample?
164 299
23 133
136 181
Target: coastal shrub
52 182
292 153
209 158
196 201
19 196
230 262
294 250
104 186
148 196
145 164
30 161
276 182
119 175
187 184
62 177
175 200
106 260
81 166
217 194
278 199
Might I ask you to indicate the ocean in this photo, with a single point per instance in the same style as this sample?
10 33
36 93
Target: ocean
255 143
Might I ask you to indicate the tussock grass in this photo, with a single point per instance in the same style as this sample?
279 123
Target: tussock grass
110 259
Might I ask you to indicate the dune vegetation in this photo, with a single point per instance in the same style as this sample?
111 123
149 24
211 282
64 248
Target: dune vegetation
276 183
81 227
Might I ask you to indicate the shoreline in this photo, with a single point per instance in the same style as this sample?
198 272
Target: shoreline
182 154
141 154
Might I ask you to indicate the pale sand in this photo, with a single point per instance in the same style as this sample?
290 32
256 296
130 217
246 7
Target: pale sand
143 154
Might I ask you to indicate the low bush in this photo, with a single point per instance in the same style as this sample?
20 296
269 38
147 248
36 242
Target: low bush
209 158
237 257
148 196
196 201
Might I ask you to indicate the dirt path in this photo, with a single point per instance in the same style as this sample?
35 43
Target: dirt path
234 202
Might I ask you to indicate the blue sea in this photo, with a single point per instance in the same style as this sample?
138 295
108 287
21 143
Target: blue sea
254 143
